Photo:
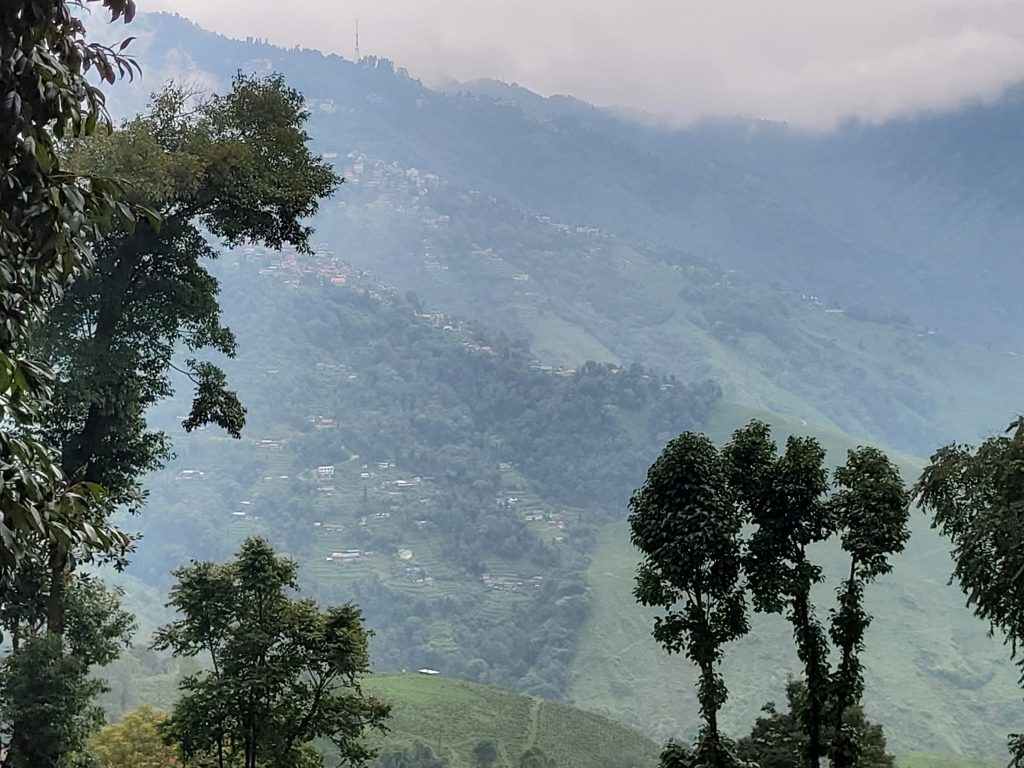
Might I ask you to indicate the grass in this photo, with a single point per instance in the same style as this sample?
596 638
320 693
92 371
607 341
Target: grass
453 716
922 760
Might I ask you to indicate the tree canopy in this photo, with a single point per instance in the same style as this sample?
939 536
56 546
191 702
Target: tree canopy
284 672
686 524
48 215
976 497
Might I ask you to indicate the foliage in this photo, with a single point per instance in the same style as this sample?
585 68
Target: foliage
779 739
47 690
236 167
871 507
134 742
534 757
485 754
686 524
47 214
784 499
975 496
284 672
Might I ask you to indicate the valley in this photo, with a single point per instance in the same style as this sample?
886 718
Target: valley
511 305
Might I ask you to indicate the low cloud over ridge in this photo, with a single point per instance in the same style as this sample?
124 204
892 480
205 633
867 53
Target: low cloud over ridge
808 62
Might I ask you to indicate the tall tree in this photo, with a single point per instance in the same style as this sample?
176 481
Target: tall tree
784 499
871 507
283 671
236 167
685 522
976 497
47 215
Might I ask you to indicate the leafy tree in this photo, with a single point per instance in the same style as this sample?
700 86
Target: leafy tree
236 167
283 671
686 524
420 756
779 739
535 757
134 742
976 497
871 507
485 754
47 213
784 498
47 691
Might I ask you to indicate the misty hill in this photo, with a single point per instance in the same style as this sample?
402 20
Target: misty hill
445 480
470 498
779 264
473 488
919 217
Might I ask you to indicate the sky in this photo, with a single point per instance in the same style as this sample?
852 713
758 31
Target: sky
811 63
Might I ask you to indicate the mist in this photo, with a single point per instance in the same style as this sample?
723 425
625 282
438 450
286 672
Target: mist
810 64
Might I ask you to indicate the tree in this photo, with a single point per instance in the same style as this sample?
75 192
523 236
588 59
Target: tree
535 757
871 509
47 214
283 671
236 167
779 739
47 690
134 742
485 754
784 499
421 756
976 497
686 524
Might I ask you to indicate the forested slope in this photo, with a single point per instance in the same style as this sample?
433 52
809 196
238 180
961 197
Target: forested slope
441 478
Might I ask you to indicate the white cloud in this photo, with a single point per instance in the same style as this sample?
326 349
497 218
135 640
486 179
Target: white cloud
812 62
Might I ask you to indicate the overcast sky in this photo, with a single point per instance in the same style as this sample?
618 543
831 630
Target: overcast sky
811 62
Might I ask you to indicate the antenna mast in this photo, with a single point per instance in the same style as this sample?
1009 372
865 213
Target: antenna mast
357 40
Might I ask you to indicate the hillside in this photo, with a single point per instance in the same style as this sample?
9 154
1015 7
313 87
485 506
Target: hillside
919 217
793 269
444 479
453 716
471 500
427 437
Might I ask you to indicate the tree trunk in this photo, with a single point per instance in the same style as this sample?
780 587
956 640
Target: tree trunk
710 710
59 561
807 650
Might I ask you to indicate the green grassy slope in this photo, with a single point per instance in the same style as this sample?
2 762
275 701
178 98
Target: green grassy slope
924 760
453 716
934 679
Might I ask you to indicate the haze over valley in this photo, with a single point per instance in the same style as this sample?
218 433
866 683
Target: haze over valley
503 336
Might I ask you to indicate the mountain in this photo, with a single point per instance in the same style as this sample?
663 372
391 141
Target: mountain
444 479
833 278
517 301
918 217
470 498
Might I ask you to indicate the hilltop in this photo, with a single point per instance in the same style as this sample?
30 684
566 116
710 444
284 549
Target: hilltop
917 217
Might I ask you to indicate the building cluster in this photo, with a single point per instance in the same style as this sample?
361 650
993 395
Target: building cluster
510 583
